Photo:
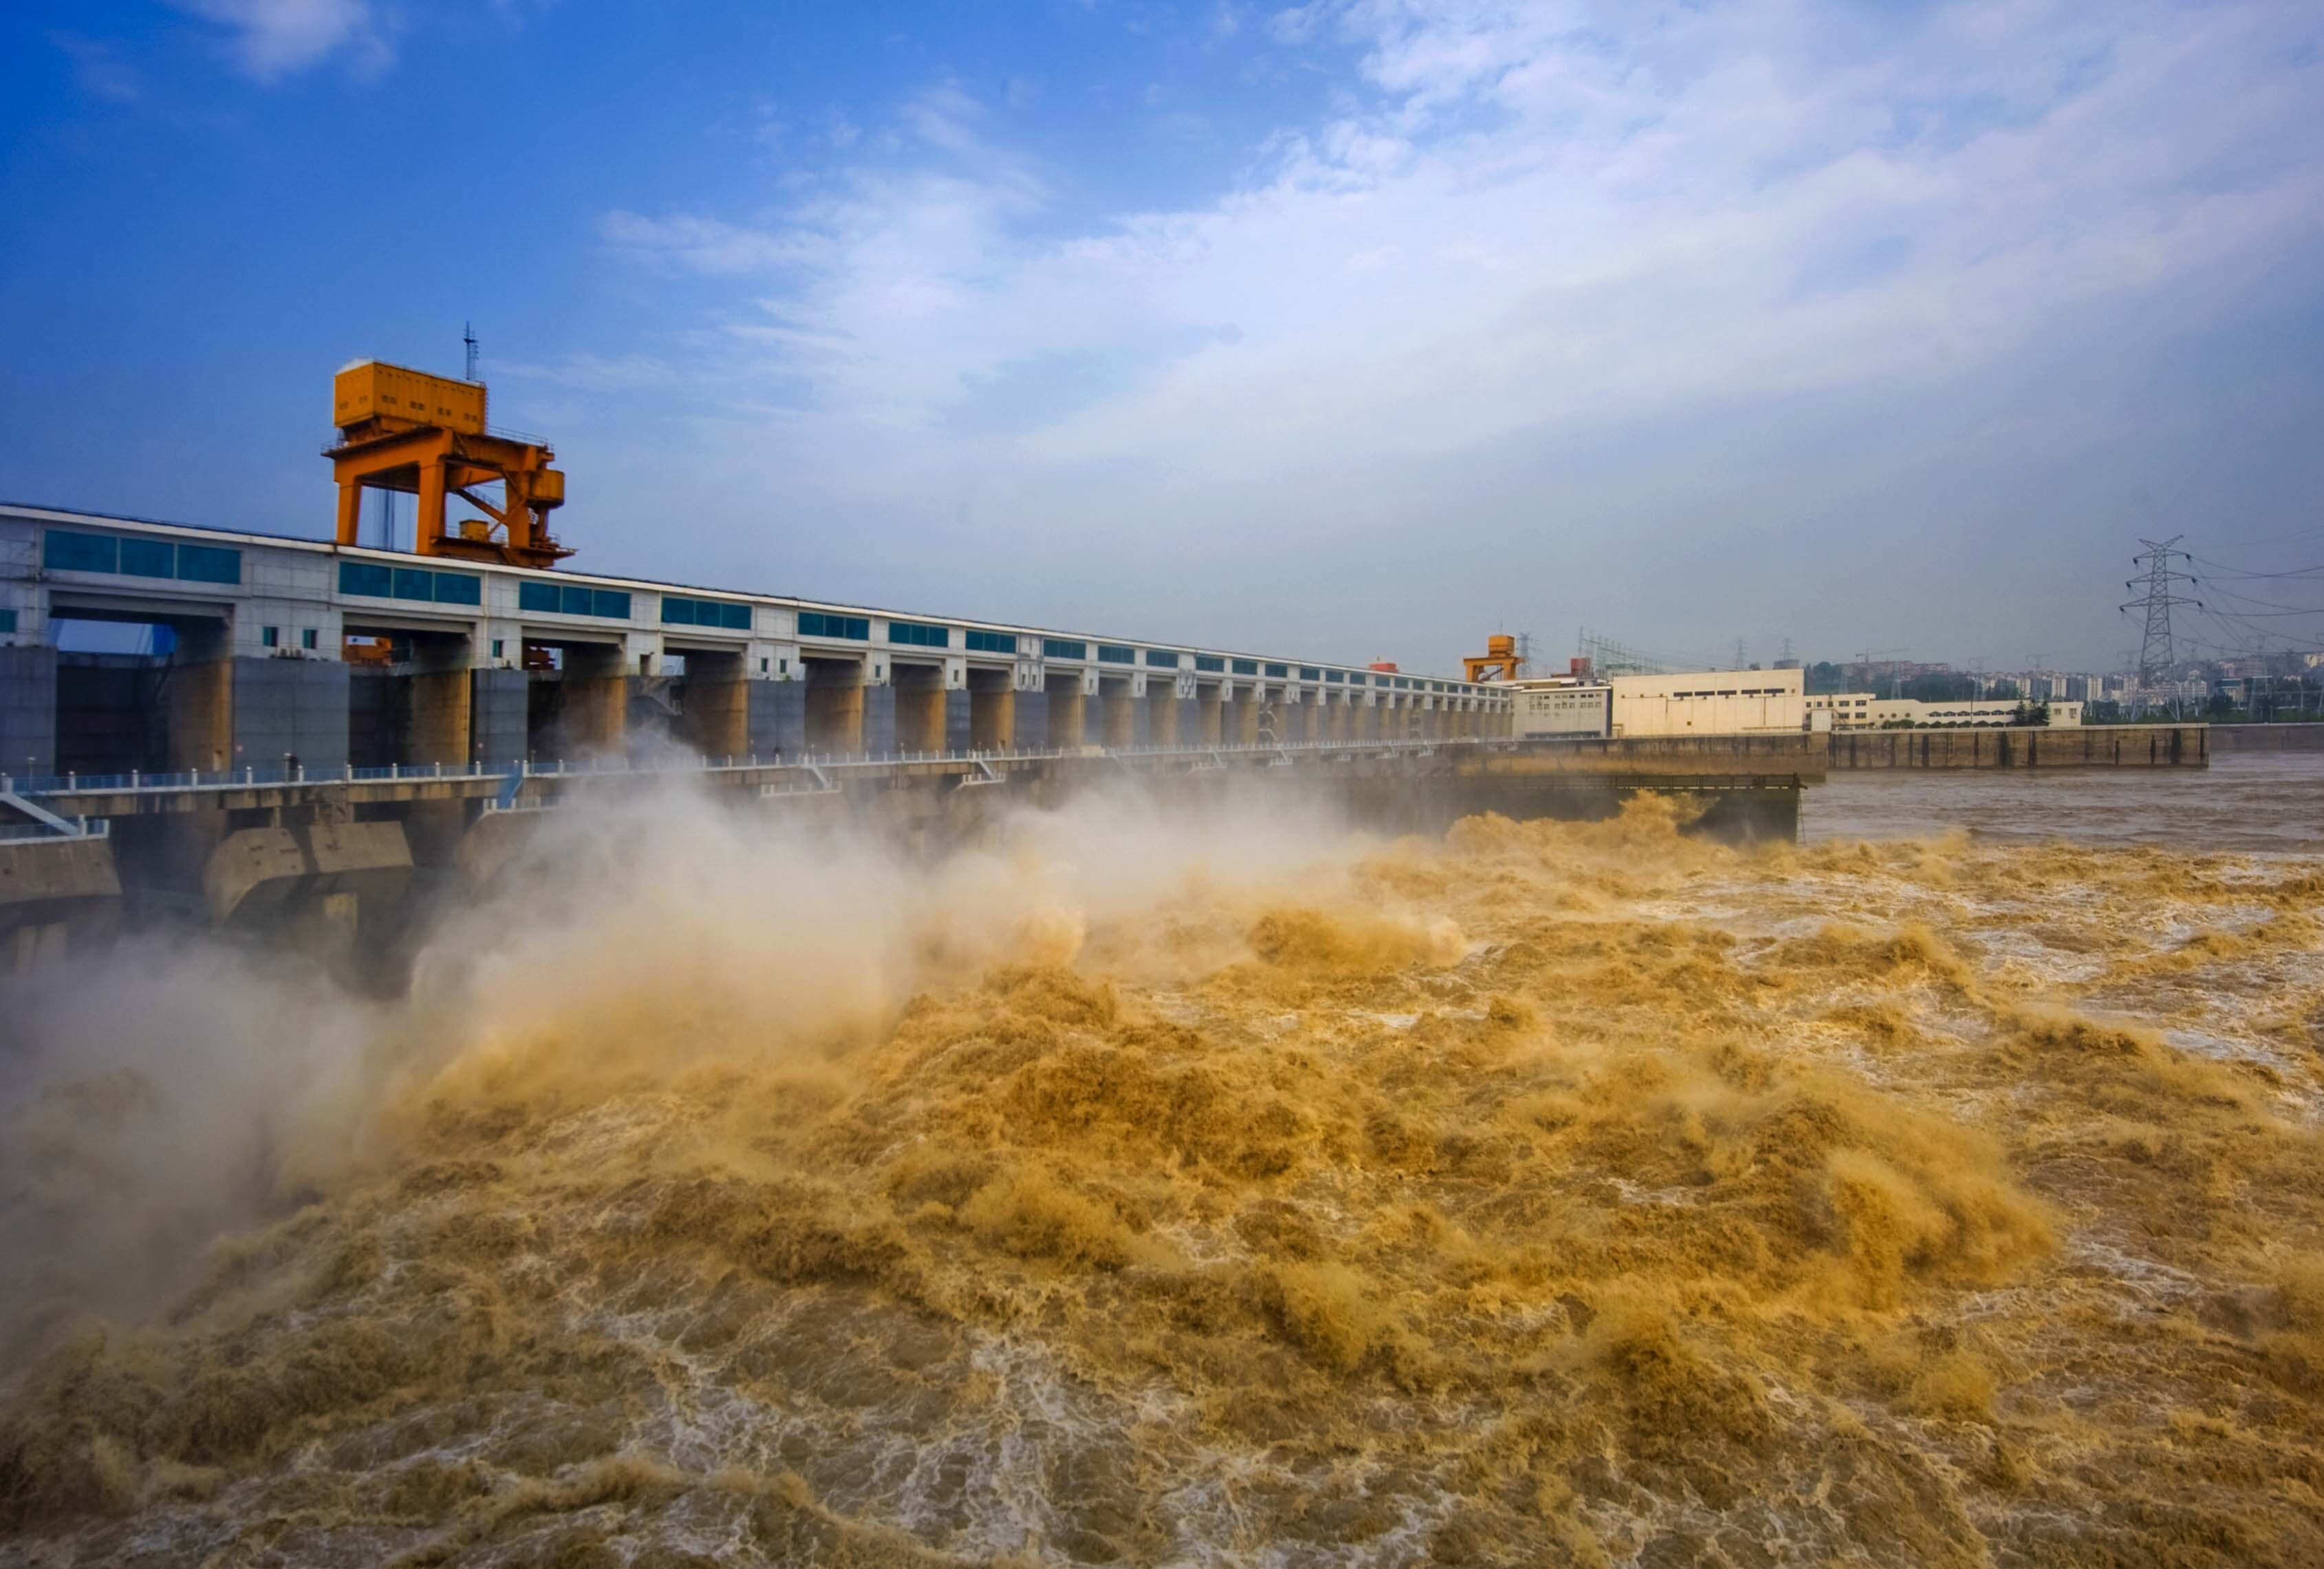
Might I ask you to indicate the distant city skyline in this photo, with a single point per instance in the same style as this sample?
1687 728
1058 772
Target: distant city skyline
1365 327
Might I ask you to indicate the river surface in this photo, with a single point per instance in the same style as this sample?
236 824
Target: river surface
1137 1187
2245 800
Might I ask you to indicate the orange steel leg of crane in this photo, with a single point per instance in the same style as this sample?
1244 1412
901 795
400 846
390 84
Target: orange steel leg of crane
434 463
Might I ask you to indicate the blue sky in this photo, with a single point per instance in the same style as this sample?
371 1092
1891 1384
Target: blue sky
1359 328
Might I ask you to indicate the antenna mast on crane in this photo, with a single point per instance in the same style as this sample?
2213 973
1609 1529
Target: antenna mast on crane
468 342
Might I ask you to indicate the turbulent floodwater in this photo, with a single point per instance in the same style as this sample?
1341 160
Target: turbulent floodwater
1133 1189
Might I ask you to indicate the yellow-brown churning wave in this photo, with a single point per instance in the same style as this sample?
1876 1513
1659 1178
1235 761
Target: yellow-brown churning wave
1545 1194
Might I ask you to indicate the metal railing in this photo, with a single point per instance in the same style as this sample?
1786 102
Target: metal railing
299 776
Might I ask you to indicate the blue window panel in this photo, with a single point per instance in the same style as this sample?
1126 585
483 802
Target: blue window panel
1248 667
1278 672
208 564
411 583
992 642
8 620
1161 661
458 588
680 612
818 624
1116 654
613 603
69 550
919 634
574 600
540 596
1064 647
148 559
367 578
1209 662
1334 678
1308 673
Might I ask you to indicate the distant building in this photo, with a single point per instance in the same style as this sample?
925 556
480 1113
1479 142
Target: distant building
1561 707
1988 711
1848 710
1698 703
1707 703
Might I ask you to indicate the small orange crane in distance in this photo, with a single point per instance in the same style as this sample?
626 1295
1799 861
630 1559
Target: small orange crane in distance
1500 662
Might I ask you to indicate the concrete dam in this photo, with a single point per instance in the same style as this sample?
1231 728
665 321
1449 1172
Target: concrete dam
323 727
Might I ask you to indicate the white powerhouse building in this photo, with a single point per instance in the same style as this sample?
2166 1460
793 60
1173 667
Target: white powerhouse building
1700 703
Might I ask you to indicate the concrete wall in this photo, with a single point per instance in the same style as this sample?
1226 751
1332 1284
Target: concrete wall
2034 746
2267 737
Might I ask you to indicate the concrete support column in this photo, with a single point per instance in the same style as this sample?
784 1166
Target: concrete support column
1128 722
28 710
593 706
1247 712
920 722
835 706
1069 715
441 702
1210 717
199 702
714 705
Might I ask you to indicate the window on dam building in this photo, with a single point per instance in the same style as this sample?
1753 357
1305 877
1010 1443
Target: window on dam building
919 634
991 642
134 556
376 580
718 612
573 599
818 623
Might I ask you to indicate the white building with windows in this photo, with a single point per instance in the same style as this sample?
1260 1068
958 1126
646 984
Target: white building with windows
1984 711
1848 710
1707 703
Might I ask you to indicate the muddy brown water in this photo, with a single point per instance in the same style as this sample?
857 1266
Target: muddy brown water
1945 1189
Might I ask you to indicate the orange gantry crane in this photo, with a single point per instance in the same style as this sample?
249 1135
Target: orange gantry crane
425 436
1500 662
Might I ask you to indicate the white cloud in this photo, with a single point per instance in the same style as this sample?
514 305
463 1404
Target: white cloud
1529 215
270 40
